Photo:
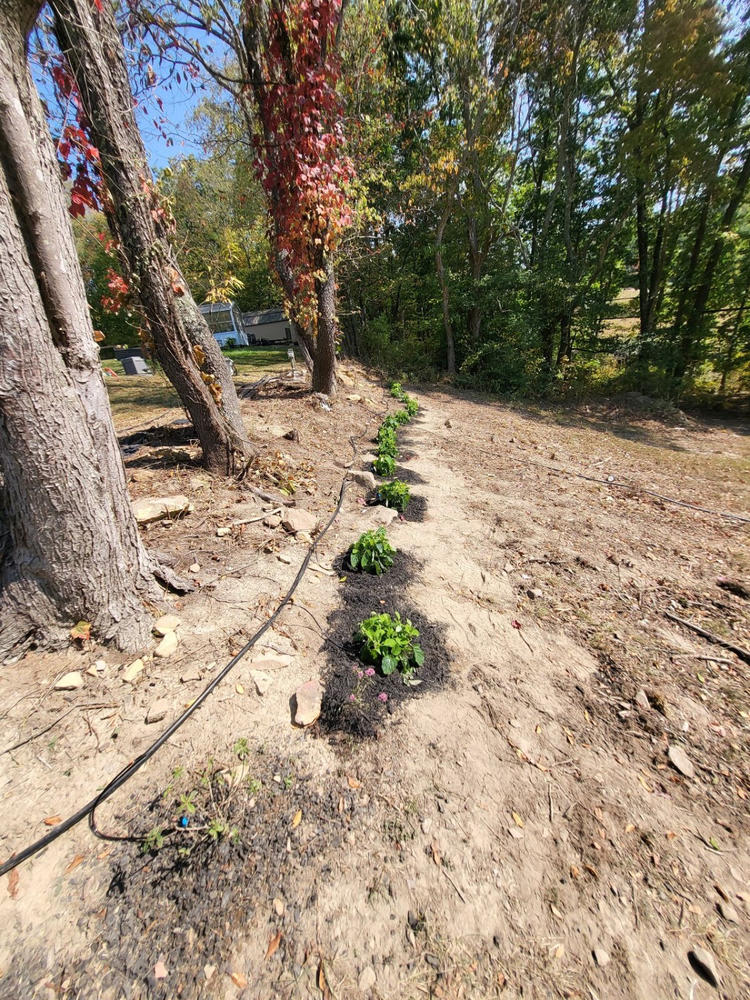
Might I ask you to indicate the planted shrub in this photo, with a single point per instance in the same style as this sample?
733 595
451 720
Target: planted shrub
395 494
401 417
396 391
411 406
372 552
384 465
390 423
390 644
387 443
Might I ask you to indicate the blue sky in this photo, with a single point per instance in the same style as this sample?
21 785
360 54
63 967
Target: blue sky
179 104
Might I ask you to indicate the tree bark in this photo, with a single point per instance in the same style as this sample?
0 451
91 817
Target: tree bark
450 346
69 544
324 369
181 341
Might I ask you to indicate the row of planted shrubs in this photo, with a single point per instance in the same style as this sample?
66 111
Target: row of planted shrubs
384 642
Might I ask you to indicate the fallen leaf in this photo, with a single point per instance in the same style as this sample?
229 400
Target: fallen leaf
436 855
273 945
52 820
645 783
238 979
575 872
630 827
353 783
559 951
297 819
160 970
74 863
81 630
517 820
13 884
239 689
670 834
322 984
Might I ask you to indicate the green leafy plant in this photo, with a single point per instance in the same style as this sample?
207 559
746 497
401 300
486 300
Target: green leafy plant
241 748
411 406
372 552
384 465
387 443
396 390
390 644
395 494
401 416
153 841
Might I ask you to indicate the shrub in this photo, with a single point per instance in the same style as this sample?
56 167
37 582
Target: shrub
395 494
396 391
387 444
372 552
401 417
384 465
411 405
390 644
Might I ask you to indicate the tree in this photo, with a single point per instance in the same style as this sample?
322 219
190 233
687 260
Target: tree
177 334
69 545
282 75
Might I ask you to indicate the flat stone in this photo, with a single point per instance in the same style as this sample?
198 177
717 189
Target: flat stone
167 646
167 623
295 519
601 957
641 700
728 912
703 963
273 521
194 568
262 681
223 532
274 430
69 682
283 557
271 661
92 671
354 398
304 536
157 508
278 907
367 979
193 674
680 761
365 479
130 673
156 712
141 475
382 515
308 699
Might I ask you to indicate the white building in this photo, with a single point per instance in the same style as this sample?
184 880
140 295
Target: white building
225 322
270 326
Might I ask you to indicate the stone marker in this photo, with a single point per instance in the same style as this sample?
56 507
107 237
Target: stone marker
308 700
365 479
382 515
167 623
680 761
69 682
296 519
167 646
157 508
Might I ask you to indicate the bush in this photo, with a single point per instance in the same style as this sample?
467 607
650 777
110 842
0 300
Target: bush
395 494
390 423
396 391
387 444
411 405
401 417
372 552
389 644
384 465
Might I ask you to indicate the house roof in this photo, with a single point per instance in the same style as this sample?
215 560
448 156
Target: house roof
263 317
208 308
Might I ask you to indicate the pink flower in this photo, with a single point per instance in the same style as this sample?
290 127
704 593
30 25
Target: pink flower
370 672
382 696
352 698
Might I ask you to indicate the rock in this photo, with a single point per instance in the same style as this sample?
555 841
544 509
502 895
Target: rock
156 712
157 508
728 912
292 435
304 536
262 681
368 459
208 971
354 398
92 671
141 475
641 700
426 825
295 519
535 592
132 671
273 521
703 963
283 557
167 623
382 515
190 675
367 979
271 661
278 907
223 532
448 424
365 479
680 761
601 957
70 682
307 703
167 646
275 431
194 568
160 970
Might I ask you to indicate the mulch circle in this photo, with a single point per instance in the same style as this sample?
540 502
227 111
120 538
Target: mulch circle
364 594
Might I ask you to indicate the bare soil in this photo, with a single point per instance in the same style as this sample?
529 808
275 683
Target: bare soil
511 828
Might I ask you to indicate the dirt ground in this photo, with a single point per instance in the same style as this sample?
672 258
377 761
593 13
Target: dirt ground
512 828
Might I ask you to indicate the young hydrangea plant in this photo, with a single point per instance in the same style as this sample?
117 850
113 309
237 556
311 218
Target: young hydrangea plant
387 443
401 417
390 644
411 405
384 465
395 494
396 391
372 552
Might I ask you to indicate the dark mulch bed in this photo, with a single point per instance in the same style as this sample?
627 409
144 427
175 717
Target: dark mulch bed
364 594
409 476
188 910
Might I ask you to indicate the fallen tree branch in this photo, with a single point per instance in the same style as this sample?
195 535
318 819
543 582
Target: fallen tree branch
737 650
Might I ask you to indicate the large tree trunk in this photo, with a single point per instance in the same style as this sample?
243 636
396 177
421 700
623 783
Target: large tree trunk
69 545
324 369
182 342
